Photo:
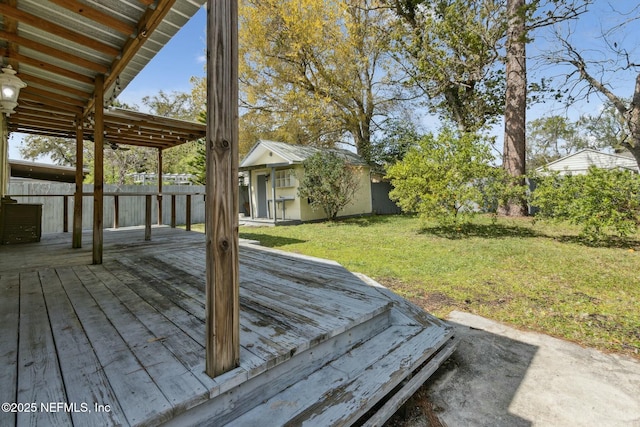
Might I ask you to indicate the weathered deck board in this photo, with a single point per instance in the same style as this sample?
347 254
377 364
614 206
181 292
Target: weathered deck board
130 332
9 321
178 385
138 395
39 378
78 361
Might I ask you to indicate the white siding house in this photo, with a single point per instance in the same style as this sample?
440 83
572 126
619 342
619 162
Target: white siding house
274 169
579 163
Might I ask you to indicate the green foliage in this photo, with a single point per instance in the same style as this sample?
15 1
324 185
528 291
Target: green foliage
394 142
314 72
550 138
62 151
603 202
328 182
453 51
446 177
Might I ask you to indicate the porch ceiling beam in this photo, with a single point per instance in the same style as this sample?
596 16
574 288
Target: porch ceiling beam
11 27
31 80
149 134
52 95
44 100
34 123
51 51
73 75
96 15
57 30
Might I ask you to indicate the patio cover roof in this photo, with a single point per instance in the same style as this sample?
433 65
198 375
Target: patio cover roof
59 47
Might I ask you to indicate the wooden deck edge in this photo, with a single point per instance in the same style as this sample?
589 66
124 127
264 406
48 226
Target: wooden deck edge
236 395
418 378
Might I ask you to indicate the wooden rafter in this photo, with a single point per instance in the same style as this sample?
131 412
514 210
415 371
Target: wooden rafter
48 67
61 82
96 15
30 79
58 30
50 51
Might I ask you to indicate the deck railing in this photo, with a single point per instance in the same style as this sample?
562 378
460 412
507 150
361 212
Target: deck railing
185 207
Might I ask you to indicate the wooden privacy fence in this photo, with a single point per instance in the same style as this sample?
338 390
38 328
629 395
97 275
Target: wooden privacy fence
124 206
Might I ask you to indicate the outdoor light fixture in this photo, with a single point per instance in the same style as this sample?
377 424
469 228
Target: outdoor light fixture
10 85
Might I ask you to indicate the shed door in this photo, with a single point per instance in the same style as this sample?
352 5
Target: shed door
262 196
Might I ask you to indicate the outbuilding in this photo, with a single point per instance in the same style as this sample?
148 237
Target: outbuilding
274 172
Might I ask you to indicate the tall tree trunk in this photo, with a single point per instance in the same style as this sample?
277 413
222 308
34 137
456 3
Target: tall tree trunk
516 104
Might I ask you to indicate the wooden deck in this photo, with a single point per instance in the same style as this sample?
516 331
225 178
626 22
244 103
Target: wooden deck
122 343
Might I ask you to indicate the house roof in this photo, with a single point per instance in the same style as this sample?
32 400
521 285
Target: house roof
580 162
59 47
292 154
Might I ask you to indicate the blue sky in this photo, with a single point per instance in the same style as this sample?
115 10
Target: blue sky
183 57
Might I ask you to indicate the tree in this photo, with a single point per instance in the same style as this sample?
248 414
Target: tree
177 105
315 71
606 129
552 137
452 51
446 177
592 76
522 18
328 182
62 151
394 142
514 154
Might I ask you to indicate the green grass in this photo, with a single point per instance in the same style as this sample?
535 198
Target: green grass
538 277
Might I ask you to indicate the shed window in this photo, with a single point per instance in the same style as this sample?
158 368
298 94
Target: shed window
285 178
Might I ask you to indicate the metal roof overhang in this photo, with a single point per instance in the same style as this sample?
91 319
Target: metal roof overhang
59 47
31 170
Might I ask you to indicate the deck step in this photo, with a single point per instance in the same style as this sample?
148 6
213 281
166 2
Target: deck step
341 392
237 400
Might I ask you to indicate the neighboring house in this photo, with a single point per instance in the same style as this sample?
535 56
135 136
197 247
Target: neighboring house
274 170
579 163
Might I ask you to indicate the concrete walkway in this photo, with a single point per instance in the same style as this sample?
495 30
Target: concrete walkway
500 376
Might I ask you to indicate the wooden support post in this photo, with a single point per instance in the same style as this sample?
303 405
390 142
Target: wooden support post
188 213
173 211
116 211
77 196
251 208
98 178
147 217
65 214
221 205
4 157
273 194
159 186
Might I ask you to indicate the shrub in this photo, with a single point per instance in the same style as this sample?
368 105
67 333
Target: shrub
448 178
603 202
328 182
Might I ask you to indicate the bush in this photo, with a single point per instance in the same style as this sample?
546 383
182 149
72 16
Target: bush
328 182
603 202
448 178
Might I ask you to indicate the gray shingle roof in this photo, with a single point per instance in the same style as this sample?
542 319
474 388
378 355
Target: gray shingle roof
298 153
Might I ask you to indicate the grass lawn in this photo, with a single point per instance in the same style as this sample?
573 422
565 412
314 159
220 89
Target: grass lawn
538 277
